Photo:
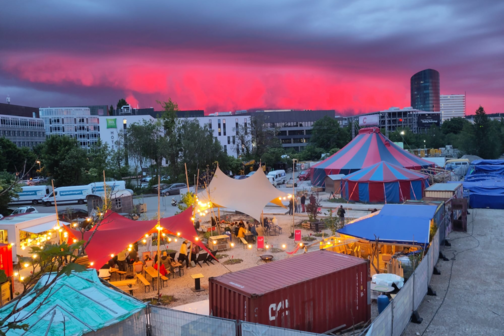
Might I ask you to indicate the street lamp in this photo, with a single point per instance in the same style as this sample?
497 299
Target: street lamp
125 126
424 145
38 161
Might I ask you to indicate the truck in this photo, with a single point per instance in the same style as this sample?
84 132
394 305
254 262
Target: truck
97 187
32 194
66 195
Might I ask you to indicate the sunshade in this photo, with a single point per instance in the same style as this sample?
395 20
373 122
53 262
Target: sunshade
366 149
395 223
74 305
115 233
249 195
43 227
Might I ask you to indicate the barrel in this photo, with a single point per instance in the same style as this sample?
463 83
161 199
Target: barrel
383 302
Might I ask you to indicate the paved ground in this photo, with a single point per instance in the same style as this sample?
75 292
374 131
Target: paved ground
470 289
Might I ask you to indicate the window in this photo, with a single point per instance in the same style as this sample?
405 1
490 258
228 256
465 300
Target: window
118 203
234 140
225 149
245 126
224 126
229 140
4 238
219 126
210 124
236 126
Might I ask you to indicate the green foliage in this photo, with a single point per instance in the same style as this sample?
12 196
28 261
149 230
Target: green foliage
311 152
332 222
272 156
328 134
3 276
9 190
188 200
169 116
454 125
64 160
15 159
121 103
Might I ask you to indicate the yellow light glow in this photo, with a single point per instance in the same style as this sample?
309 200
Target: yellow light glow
60 230
16 274
74 224
232 244
284 198
23 248
65 234
12 244
192 218
163 234
29 240
196 238
55 227
267 247
146 235
75 240
112 255
144 241
289 196
169 239
280 198
129 249
214 242
178 234
26 265
301 244
284 246
91 263
250 246
88 219
130 245
21 278
38 243
175 239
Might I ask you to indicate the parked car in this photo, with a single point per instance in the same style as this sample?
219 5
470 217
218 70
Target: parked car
240 177
71 214
154 188
173 189
23 210
304 175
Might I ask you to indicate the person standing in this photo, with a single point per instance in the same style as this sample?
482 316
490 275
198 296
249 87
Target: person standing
312 199
341 214
121 260
298 204
303 201
183 254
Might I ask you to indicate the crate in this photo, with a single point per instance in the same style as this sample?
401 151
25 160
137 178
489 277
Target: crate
306 225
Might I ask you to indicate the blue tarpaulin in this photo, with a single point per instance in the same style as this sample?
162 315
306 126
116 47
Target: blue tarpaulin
395 223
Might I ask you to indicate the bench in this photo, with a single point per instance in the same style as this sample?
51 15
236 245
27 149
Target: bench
202 257
164 279
127 288
244 242
143 281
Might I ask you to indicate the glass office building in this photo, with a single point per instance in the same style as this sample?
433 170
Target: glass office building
425 91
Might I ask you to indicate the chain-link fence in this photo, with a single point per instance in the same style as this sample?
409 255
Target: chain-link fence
134 325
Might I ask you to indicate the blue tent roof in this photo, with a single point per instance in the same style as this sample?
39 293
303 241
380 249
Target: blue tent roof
395 223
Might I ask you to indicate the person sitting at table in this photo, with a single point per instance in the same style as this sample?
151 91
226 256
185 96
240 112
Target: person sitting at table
163 269
266 223
137 266
166 260
241 232
146 258
253 230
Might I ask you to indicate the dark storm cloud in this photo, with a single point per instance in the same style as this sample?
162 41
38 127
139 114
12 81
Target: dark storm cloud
461 39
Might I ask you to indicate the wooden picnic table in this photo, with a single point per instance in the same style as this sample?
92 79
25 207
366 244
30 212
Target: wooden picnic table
153 274
116 271
126 285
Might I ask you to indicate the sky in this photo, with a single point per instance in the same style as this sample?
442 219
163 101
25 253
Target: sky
224 55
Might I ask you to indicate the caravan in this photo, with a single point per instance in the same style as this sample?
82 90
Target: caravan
277 177
75 194
97 187
31 194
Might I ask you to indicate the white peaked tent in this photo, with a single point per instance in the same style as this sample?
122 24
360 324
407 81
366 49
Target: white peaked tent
249 195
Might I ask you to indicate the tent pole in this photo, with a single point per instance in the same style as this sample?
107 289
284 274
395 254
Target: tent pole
411 186
56 208
384 193
349 198
186 176
104 192
400 192
158 236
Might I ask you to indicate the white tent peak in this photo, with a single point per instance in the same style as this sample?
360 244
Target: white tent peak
249 195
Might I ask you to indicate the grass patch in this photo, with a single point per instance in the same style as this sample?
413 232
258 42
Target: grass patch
165 300
319 234
232 261
308 238
221 256
275 250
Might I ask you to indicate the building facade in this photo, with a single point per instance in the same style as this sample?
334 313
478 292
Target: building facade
294 128
18 110
452 106
22 131
425 91
75 122
417 121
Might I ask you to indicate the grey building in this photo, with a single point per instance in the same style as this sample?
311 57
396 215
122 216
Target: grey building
18 110
22 131
294 128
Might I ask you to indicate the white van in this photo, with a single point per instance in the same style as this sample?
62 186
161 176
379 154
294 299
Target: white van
97 187
75 194
277 177
32 194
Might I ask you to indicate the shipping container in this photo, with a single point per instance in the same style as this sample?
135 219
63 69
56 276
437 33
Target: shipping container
317 291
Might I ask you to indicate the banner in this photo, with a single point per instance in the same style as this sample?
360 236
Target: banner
260 242
297 235
369 120
112 123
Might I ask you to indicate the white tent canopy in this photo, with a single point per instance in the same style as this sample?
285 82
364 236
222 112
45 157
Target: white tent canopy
249 195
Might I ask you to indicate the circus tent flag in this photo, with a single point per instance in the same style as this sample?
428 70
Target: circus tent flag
367 148
249 195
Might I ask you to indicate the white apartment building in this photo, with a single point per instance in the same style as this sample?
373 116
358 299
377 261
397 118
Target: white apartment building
225 127
75 122
452 106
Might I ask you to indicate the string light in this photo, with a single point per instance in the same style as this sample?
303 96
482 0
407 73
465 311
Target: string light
74 224
146 235
284 246
21 278
163 234
196 238
301 244
16 274
169 239
232 244
75 240
250 246
12 244
23 248
178 234
112 255
130 245
26 265
175 240
144 241
267 247
91 263
65 234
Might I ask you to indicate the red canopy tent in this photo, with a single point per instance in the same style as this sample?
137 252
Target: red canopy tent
115 233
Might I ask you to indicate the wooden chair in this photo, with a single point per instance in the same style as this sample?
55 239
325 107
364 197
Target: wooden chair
202 257
210 259
177 268
143 281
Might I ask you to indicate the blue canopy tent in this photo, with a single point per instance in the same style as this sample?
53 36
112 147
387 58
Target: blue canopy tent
395 224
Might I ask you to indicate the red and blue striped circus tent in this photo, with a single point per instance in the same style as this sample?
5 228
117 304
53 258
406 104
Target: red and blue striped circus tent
383 183
366 149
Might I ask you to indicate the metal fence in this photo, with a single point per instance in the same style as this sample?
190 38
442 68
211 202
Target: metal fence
134 325
165 321
393 320
255 329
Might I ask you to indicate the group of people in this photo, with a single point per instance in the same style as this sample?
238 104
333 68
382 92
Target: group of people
241 229
298 204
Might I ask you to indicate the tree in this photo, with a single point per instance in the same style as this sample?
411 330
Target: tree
14 159
486 136
435 137
328 134
169 115
99 155
111 110
64 160
453 125
8 191
121 103
311 152
272 156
